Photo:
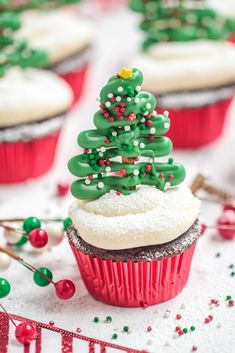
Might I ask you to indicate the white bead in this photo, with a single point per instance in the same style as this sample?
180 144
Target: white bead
114 133
5 261
167 185
120 89
87 181
55 233
166 125
142 145
101 154
12 236
127 127
146 113
100 185
138 88
152 130
136 172
166 113
137 100
103 149
108 169
154 113
118 99
135 143
148 106
108 104
110 95
142 120
128 99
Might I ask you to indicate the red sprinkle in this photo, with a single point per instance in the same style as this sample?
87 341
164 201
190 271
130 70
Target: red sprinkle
90 176
122 110
149 328
116 109
101 162
194 348
118 193
177 328
78 330
215 301
207 320
86 150
148 116
161 175
107 142
211 317
121 118
106 115
148 168
231 302
171 177
151 137
145 306
113 99
180 332
149 123
51 323
107 162
111 120
178 317
122 104
62 189
203 228
102 106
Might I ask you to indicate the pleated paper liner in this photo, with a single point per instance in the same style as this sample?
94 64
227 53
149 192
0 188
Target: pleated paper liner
196 127
134 284
24 160
76 80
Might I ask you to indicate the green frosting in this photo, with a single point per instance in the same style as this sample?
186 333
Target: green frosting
180 21
127 126
22 5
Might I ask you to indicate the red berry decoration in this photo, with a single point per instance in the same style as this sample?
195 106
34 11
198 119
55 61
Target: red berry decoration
38 238
62 189
25 333
65 289
227 219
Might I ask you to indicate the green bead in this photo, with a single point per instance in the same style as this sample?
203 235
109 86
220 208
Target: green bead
129 148
96 168
232 274
39 279
109 319
142 127
99 176
185 330
92 162
218 254
143 109
94 151
5 287
84 155
141 176
133 127
22 241
228 297
91 156
114 336
67 223
192 328
96 319
170 160
125 328
142 170
231 266
31 223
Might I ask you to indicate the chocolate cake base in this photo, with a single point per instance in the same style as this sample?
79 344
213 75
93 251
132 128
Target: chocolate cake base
145 253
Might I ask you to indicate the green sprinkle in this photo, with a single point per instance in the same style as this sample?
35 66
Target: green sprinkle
96 319
109 319
84 155
91 156
185 330
125 328
124 147
170 160
232 274
92 162
217 254
67 223
231 266
114 336
143 109
192 328
94 151
228 297
96 168
133 127
129 148
99 176
141 176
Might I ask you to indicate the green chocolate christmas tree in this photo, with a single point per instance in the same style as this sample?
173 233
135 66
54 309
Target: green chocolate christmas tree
127 127
35 4
181 20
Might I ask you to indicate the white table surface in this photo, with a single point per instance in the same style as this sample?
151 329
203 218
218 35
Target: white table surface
210 275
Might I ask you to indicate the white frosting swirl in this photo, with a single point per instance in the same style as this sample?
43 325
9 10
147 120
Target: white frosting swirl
177 66
32 95
146 217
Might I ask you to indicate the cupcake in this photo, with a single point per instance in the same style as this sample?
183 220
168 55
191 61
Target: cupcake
180 42
33 104
134 228
66 38
227 8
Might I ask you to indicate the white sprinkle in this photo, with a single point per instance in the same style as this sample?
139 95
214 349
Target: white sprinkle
142 120
137 100
118 99
219 325
167 314
120 89
182 307
154 113
136 172
114 133
142 145
103 149
127 127
151 160
87 181
149 342
166 125
135 143
152 130
146 113
166 113
108 169
128 99
101 154
167 344
148 106
108 104
110 95
100 185
167 185
138 88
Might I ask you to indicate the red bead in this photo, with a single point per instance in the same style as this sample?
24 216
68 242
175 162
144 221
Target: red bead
102 106
107 162
148 168
231 302
78 330
178 317
122 110
151 137
90 176
177 328
121 118
171 177
113 99
211 317
65 289
118 193
148 116
215 301
149 123
106 115
111 120
25 333
226 219
131 117
122 104
107 142
203 228
62 189
51 323
101 162
180 332
86 150
194 348
161 175
207 320
117 109
149 328
38 238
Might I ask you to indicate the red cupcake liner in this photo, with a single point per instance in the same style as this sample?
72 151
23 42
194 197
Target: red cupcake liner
195 127
134 284
76 80
24 160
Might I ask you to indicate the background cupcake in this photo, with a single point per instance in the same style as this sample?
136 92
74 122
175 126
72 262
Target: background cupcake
133 244
180 40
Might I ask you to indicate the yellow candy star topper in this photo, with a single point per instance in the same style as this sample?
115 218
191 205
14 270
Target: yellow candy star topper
125 73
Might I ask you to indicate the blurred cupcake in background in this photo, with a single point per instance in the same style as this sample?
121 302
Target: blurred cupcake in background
227 8
66 37
189 65
33 104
